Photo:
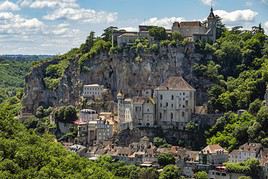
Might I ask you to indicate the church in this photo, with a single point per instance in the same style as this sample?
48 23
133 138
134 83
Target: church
197 30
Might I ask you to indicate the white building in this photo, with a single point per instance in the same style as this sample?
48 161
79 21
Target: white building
222 173
196 30
246 151
87 115
124 107
93 90
175 103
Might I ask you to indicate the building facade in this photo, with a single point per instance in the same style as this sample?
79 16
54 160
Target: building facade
175 103
93 90
143 112
246 151
169 106
87 115
213 155
124 108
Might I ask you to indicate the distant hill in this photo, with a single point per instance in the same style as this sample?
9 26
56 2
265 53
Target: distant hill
25 57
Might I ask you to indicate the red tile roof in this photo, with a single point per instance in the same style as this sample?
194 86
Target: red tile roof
213 149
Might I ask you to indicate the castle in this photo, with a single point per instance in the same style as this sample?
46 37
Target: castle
196 30
191 30
170 106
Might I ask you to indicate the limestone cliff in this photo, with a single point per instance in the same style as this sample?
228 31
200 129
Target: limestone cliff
128 71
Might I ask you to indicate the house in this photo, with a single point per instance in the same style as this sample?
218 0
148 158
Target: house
221 172
93 90
246 151
143 111
87 115
175 103
99 130
264 163
109 117
196 30
213 155
129 38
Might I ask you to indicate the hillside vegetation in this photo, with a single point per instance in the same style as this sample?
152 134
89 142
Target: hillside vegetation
239 71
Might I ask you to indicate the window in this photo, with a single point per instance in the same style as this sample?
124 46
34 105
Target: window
160 115
172 105
172 97
166 104
186 102
160 104
161 97
182 114
171 116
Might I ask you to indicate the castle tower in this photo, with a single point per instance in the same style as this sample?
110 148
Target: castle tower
120 108
212 25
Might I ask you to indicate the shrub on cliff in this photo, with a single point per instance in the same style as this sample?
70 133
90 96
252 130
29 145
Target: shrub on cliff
66 114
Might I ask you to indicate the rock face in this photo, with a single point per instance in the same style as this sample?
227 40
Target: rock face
128 71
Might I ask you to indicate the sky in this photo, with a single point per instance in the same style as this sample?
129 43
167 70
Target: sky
55 26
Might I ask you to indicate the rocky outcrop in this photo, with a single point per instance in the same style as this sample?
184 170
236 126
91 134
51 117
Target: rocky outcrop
128 71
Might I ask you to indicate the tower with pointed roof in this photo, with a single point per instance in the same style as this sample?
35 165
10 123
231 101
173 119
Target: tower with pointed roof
212 25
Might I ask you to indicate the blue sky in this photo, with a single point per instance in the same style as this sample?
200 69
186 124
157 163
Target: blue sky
56 26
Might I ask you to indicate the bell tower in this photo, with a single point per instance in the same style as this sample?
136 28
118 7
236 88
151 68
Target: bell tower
212 25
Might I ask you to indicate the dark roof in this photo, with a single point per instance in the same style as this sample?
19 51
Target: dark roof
175 83
211 15
190 24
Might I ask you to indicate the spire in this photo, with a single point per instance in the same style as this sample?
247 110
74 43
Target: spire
211 14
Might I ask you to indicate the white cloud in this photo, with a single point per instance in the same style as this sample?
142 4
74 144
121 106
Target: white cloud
70 10
246 15
85 15
8 6
39 4
163 22
15 24
208 2
130 29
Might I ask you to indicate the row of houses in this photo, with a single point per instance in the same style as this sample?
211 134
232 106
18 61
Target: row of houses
210 159
91 127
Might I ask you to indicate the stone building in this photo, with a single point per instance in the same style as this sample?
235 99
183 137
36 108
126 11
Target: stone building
196 30
93 90
143 111
246 151
175 103
213 155
87 115
129 38
124 107
93 131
